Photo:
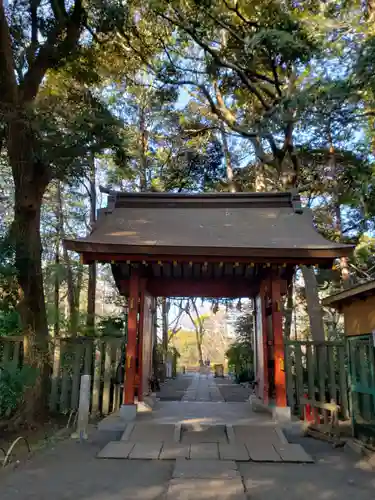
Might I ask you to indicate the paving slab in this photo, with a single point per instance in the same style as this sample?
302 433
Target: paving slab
204 451
205 469
116 449
293 453
256 433
171 451
203 434
206 489
262 452
147 433
236 451
146 451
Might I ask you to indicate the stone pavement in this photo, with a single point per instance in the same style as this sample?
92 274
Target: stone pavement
206 450
70 470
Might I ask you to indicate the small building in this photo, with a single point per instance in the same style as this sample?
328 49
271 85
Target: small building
357 304
216 245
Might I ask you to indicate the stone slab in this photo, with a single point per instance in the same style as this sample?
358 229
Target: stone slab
128 413
230 433
116 449
262 452
146 451
233 452
257 435
172 451
128 431
206 489
204 451
147 433
112 423
293 453
205 469
204 434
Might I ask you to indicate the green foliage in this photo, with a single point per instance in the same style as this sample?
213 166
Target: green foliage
111 327
13 384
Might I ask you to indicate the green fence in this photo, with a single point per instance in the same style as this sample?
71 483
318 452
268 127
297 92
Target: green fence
362 386
71 358
317 371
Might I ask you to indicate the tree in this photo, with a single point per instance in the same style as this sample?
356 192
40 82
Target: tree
38 104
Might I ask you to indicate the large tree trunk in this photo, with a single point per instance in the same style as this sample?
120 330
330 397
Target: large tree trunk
228 160
72 291
314 307
56 295
91 290
143 147
30 184
199 331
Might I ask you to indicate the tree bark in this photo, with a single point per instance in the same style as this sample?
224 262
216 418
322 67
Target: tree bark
72 291
56 299
91 289
314 307
143 146
199 331
228 160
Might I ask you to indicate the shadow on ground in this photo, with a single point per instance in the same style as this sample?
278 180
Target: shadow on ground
174 389
71 471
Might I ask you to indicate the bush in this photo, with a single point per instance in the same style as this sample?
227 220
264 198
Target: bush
13 384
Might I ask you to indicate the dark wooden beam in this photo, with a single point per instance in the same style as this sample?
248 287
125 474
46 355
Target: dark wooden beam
209 288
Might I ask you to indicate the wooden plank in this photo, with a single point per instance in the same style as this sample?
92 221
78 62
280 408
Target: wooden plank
299 375
353 380
322 358
372 370
76 376
343 382
107 378
117 388
363 377
55 381
16 355
65 382
95 407
6 352
311 369
289 376
331 375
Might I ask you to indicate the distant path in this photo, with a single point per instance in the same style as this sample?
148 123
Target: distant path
232 392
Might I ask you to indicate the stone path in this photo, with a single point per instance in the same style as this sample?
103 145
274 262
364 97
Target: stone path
70 469
206 454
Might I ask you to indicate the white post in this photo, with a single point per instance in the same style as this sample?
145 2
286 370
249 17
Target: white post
84 408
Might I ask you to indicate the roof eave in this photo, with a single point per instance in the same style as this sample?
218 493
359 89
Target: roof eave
329 253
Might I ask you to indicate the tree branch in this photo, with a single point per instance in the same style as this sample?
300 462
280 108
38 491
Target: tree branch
8 84
61 41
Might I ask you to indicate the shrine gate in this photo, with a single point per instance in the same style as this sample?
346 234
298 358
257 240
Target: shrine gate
219 245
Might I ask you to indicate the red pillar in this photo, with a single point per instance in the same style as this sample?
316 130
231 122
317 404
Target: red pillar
279 353
263 293
140 338
131 347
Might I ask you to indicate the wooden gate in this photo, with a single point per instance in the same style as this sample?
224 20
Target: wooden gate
361 353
